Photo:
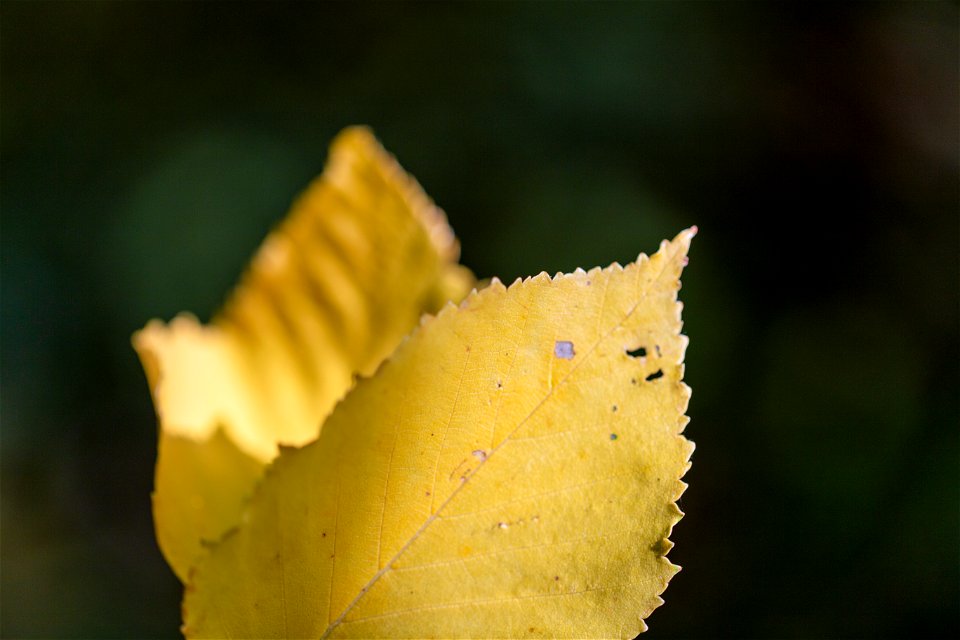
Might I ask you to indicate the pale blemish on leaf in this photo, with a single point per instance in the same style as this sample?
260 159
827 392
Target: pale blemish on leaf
563 349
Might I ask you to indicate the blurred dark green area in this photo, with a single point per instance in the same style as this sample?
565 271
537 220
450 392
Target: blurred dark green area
147 147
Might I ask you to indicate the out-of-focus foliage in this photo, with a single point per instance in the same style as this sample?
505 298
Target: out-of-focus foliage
147 147
329 294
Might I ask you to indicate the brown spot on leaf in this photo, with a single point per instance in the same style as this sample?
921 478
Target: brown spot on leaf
661 547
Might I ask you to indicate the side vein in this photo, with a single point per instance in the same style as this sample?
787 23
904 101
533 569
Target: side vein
455 605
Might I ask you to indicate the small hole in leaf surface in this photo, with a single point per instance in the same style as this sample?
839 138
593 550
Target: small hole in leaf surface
656 374
640 352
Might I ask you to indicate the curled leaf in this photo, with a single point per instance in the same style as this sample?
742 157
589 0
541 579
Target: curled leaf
330 293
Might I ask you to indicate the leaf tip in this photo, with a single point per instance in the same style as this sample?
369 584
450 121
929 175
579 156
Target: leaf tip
684 238
497 285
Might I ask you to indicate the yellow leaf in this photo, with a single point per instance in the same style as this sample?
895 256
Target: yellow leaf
203 486
511 471
330 293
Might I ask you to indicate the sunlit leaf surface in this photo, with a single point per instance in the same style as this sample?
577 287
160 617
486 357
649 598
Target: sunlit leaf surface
511 471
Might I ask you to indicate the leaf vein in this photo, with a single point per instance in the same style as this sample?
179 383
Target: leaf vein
534 496
468 603
496 552
443 442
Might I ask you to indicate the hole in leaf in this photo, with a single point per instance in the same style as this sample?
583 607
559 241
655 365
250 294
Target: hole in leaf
640 352
656 374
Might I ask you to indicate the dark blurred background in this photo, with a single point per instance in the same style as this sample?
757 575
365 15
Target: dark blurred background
147 147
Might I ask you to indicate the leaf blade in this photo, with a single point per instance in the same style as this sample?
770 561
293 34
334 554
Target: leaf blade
445 496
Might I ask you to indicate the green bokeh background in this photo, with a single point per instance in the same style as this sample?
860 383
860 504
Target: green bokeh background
147 147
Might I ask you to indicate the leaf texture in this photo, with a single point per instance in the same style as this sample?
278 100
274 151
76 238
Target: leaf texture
511 471
329 294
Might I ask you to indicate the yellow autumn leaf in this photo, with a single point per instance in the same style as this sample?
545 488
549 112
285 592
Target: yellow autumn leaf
511 471
330 293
